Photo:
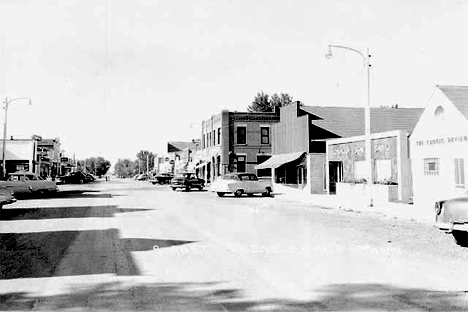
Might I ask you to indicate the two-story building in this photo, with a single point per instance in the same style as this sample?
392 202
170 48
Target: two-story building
235 142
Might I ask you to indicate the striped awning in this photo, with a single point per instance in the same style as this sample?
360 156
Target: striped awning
277 160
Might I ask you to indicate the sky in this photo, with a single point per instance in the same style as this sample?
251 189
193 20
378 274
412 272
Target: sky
113 77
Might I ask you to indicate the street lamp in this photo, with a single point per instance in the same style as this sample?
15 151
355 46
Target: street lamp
366 59
7 102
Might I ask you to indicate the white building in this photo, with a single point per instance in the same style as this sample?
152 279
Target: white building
439 147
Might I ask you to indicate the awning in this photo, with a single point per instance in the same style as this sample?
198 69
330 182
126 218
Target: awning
279 159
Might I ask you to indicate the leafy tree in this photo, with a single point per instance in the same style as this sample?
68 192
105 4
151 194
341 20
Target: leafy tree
144 157
124 168
261 103
264 103
94 165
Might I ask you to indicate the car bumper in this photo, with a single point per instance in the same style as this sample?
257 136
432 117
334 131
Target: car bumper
449 227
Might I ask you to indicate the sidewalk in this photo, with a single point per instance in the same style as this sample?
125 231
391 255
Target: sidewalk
391 210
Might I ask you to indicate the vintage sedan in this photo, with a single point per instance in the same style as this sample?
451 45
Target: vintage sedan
452 218
187 181
27 183
239 184
76 177
162 178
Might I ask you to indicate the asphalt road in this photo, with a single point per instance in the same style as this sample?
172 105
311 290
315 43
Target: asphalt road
129 245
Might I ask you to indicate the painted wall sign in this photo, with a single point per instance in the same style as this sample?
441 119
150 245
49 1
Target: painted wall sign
439 141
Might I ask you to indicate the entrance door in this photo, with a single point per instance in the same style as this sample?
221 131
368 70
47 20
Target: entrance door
335 169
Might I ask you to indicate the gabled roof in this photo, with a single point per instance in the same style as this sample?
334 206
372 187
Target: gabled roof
458 95
349 121
173 147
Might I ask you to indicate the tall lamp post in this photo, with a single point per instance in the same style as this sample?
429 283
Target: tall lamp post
7 102
366 59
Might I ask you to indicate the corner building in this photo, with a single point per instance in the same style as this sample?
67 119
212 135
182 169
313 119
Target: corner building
235 142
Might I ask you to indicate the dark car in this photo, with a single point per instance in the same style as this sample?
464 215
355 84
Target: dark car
6 197
452 218
163 178
89 177
187 181
72 178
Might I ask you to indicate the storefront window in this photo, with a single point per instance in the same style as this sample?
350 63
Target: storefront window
383 168
431 166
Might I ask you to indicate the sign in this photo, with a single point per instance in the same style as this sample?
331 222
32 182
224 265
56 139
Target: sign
171 162
166 159
441 141
63 159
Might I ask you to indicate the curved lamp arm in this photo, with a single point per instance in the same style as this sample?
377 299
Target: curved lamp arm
330 55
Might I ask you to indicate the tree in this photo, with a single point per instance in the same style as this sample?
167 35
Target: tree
264 103
261 103
124 168
94 165
142 158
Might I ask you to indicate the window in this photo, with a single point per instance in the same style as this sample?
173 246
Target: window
383 168
263 172
431 166
459 172
360 169
241 135
214 137
209 139
204 140
265 135
219 136
240 163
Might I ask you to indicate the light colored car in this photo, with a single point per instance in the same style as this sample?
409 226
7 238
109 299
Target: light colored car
239 184
452 218
25 182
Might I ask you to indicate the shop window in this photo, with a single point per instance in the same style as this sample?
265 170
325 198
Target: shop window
360 171
459 172
265 135
240 163
241 135
263 172
431 166
383 168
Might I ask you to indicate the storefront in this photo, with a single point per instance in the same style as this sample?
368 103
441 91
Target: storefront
439 147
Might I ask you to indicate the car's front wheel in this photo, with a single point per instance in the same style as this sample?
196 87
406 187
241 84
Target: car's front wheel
238 193
220 194
267 192
174 188
461 238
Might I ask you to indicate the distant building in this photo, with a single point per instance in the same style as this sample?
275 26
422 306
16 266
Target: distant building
235 142
20 154
49 158
179 155
439 147
299 139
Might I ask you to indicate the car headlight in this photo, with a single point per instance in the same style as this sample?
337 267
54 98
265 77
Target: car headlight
438 207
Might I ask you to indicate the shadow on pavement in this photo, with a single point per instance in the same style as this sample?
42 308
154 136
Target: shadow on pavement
209 297
67 194
67 253
65 212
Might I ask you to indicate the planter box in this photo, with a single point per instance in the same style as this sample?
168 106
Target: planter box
357 193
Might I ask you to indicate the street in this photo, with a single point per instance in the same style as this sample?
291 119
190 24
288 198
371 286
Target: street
131 245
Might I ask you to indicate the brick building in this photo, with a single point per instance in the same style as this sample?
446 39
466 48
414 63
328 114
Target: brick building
235 142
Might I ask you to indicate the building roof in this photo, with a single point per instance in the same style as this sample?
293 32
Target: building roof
349 121
173 147
458 95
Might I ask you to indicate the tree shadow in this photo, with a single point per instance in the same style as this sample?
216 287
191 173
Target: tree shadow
213 297
65 194
68 253
106 211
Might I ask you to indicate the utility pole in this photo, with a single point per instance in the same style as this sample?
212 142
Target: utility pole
147 163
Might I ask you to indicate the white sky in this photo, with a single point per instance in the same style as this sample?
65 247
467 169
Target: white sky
113 77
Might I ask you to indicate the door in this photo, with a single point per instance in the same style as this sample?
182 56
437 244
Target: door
335 169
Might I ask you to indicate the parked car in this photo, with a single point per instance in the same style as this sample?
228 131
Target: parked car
452 217
6 197
25 182
239 184
142 177
76 177
162 178
89 177
187 181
